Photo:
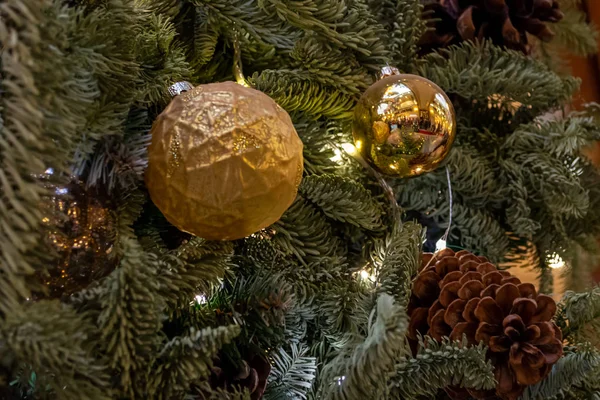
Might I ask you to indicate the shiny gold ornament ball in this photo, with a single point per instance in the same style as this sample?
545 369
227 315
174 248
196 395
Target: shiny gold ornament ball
404 125
225 161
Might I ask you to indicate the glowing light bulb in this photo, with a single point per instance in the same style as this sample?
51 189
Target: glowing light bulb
200 299
337 155
349 147
366 275
440 245
555 261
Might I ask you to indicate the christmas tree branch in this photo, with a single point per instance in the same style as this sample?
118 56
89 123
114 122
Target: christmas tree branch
361 371
292 375
57 344
576 310
130 318
438 365
187 359
396 259
575 34
478 71
304 232
343 200
297 94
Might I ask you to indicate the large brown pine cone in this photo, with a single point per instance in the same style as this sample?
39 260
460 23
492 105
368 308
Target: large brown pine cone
458 294
504 22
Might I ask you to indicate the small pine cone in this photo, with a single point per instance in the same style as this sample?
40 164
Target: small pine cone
250 375
504 22
458 294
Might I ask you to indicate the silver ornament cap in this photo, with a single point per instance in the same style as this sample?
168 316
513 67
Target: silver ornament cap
180 87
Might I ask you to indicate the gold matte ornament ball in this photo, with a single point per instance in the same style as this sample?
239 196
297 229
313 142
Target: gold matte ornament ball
404 125
225 161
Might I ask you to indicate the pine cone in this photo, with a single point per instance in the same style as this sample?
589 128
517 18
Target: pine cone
251 375
458 294
504 22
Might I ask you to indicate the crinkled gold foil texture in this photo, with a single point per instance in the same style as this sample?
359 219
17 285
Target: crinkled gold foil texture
404 125
225 161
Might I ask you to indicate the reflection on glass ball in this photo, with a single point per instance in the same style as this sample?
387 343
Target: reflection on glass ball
404 125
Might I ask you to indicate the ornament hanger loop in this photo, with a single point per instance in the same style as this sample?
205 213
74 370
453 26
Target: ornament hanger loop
237 60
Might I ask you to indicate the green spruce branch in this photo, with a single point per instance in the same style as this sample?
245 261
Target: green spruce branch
130 318
362 371
58 346
343 200
396 259
186 359
480 70
292 374
438 365
576 310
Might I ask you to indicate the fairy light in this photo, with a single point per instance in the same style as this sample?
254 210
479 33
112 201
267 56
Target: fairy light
365 275
337 155
440 245
555 261
200 299
349 148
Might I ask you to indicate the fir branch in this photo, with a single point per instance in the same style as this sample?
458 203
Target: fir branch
327 18
259 304
292 374
396 260
181 281
479 228
249 19
331 67
186 359
481 70
362 371
58 345
576 310
163 57
344 308
120 162
43 111
317 151
343 200
574 33
130 317
474 176
438 365
579 368
298 94
405 32
302 231
561 138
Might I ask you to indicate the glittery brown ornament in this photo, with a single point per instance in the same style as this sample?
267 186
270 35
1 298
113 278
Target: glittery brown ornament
225 161
81 228
458 294
404 125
